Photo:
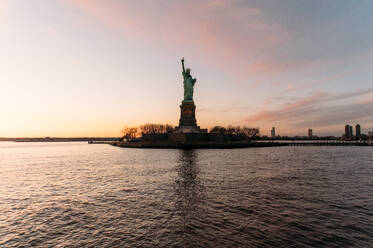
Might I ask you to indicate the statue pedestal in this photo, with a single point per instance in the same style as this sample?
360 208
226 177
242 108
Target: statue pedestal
187 122
188 114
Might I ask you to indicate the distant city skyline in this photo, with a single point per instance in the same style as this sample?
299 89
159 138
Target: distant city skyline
348 133
75 68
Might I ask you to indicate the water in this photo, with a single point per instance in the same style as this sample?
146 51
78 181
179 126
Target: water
80 195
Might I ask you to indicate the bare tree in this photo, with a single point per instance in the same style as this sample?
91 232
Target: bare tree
231 130
130 132
218 129
251 132
155 128
236 131
169 128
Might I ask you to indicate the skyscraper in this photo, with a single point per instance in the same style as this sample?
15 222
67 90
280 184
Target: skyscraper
273 132
358 131
347 131
351 132
310 133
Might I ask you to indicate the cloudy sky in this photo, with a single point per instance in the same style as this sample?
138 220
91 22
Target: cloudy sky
89 67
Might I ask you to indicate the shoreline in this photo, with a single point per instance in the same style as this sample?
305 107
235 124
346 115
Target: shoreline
227 145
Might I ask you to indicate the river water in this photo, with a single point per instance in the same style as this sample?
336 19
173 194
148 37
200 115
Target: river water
80 195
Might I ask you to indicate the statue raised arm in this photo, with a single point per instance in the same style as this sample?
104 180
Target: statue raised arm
182 62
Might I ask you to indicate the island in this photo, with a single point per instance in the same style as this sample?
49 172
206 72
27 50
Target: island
188 134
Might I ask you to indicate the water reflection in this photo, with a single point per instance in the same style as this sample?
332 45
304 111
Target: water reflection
188 188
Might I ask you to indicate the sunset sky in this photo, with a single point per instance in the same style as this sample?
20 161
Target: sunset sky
90 67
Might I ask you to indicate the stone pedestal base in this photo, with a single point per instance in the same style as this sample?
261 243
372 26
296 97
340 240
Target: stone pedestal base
187 122
188 114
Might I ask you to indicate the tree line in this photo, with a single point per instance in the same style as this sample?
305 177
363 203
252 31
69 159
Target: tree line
240 132
150 128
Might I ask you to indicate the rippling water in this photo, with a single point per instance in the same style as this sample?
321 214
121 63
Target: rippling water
80 195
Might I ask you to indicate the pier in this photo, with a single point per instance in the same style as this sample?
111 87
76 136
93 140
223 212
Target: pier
329 143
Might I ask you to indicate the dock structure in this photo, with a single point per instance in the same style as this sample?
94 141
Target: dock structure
100 142
330 143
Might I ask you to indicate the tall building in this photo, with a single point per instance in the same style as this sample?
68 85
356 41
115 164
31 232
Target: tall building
351 132
310 134
370 134
273 132
347 131
358 131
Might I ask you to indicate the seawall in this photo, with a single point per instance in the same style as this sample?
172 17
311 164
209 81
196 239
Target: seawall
198 145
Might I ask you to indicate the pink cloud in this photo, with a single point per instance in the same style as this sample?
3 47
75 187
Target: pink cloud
218 3
289 111
351 67
228 3
229 37
367 99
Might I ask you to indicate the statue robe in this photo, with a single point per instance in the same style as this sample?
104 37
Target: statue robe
188 87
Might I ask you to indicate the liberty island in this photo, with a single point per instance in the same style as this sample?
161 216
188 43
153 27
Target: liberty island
188 134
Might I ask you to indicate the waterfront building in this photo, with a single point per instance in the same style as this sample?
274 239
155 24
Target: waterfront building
347 131
358 131
310 133
273 132
351 132
370 134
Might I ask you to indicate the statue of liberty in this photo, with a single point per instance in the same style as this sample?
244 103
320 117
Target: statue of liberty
188 84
